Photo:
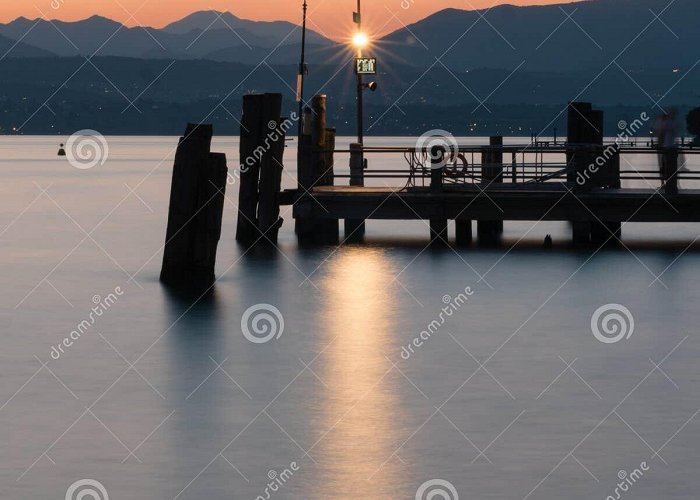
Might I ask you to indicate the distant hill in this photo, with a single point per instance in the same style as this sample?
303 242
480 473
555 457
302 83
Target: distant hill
196 36
12 48
544 39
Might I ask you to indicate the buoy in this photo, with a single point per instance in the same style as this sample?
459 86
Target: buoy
548 241
61 151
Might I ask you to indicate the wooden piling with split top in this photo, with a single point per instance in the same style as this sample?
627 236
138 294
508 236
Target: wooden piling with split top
315 169
195 214
261 164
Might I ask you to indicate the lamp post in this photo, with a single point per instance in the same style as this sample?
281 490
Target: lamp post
360 41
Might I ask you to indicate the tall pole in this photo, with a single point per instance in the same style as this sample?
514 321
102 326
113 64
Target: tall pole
360 89
300 77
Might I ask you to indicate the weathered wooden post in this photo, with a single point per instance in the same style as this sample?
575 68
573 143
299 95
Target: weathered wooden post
438 223
262 148
355 228
591 166
311 226
196 208
490 231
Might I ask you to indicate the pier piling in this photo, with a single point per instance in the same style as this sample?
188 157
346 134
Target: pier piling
355 228
196 210
490 231
261 159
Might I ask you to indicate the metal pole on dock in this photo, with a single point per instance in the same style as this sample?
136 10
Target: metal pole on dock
360 87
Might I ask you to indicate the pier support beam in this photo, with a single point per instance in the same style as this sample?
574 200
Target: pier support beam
463 232
355 228
490 231
438 224
438 233
581 232
196 209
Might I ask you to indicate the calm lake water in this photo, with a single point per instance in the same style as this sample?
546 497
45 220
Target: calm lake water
510 395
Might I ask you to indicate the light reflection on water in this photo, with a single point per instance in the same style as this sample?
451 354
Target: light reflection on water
361 414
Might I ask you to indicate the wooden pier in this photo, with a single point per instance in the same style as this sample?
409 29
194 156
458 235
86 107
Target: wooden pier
580 181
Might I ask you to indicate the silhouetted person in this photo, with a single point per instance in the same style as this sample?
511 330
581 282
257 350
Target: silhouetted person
61 151
670 160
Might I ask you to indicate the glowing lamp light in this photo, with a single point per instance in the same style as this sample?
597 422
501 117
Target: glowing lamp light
360 40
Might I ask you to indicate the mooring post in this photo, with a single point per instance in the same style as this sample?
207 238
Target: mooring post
261 143
326 230
490 231
196 210
438 223
316 170
355 228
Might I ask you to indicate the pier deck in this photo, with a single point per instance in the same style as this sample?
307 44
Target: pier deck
547 201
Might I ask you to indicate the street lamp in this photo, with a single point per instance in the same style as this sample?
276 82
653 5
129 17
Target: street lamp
360 40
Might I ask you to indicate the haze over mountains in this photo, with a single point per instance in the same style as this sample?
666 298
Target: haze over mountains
522 62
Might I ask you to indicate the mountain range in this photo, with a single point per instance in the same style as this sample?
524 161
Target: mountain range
506 70
559 38
202 35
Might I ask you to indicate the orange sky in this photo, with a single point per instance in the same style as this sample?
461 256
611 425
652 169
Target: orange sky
331 17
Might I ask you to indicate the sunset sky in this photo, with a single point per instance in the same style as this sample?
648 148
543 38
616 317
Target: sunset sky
331 17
